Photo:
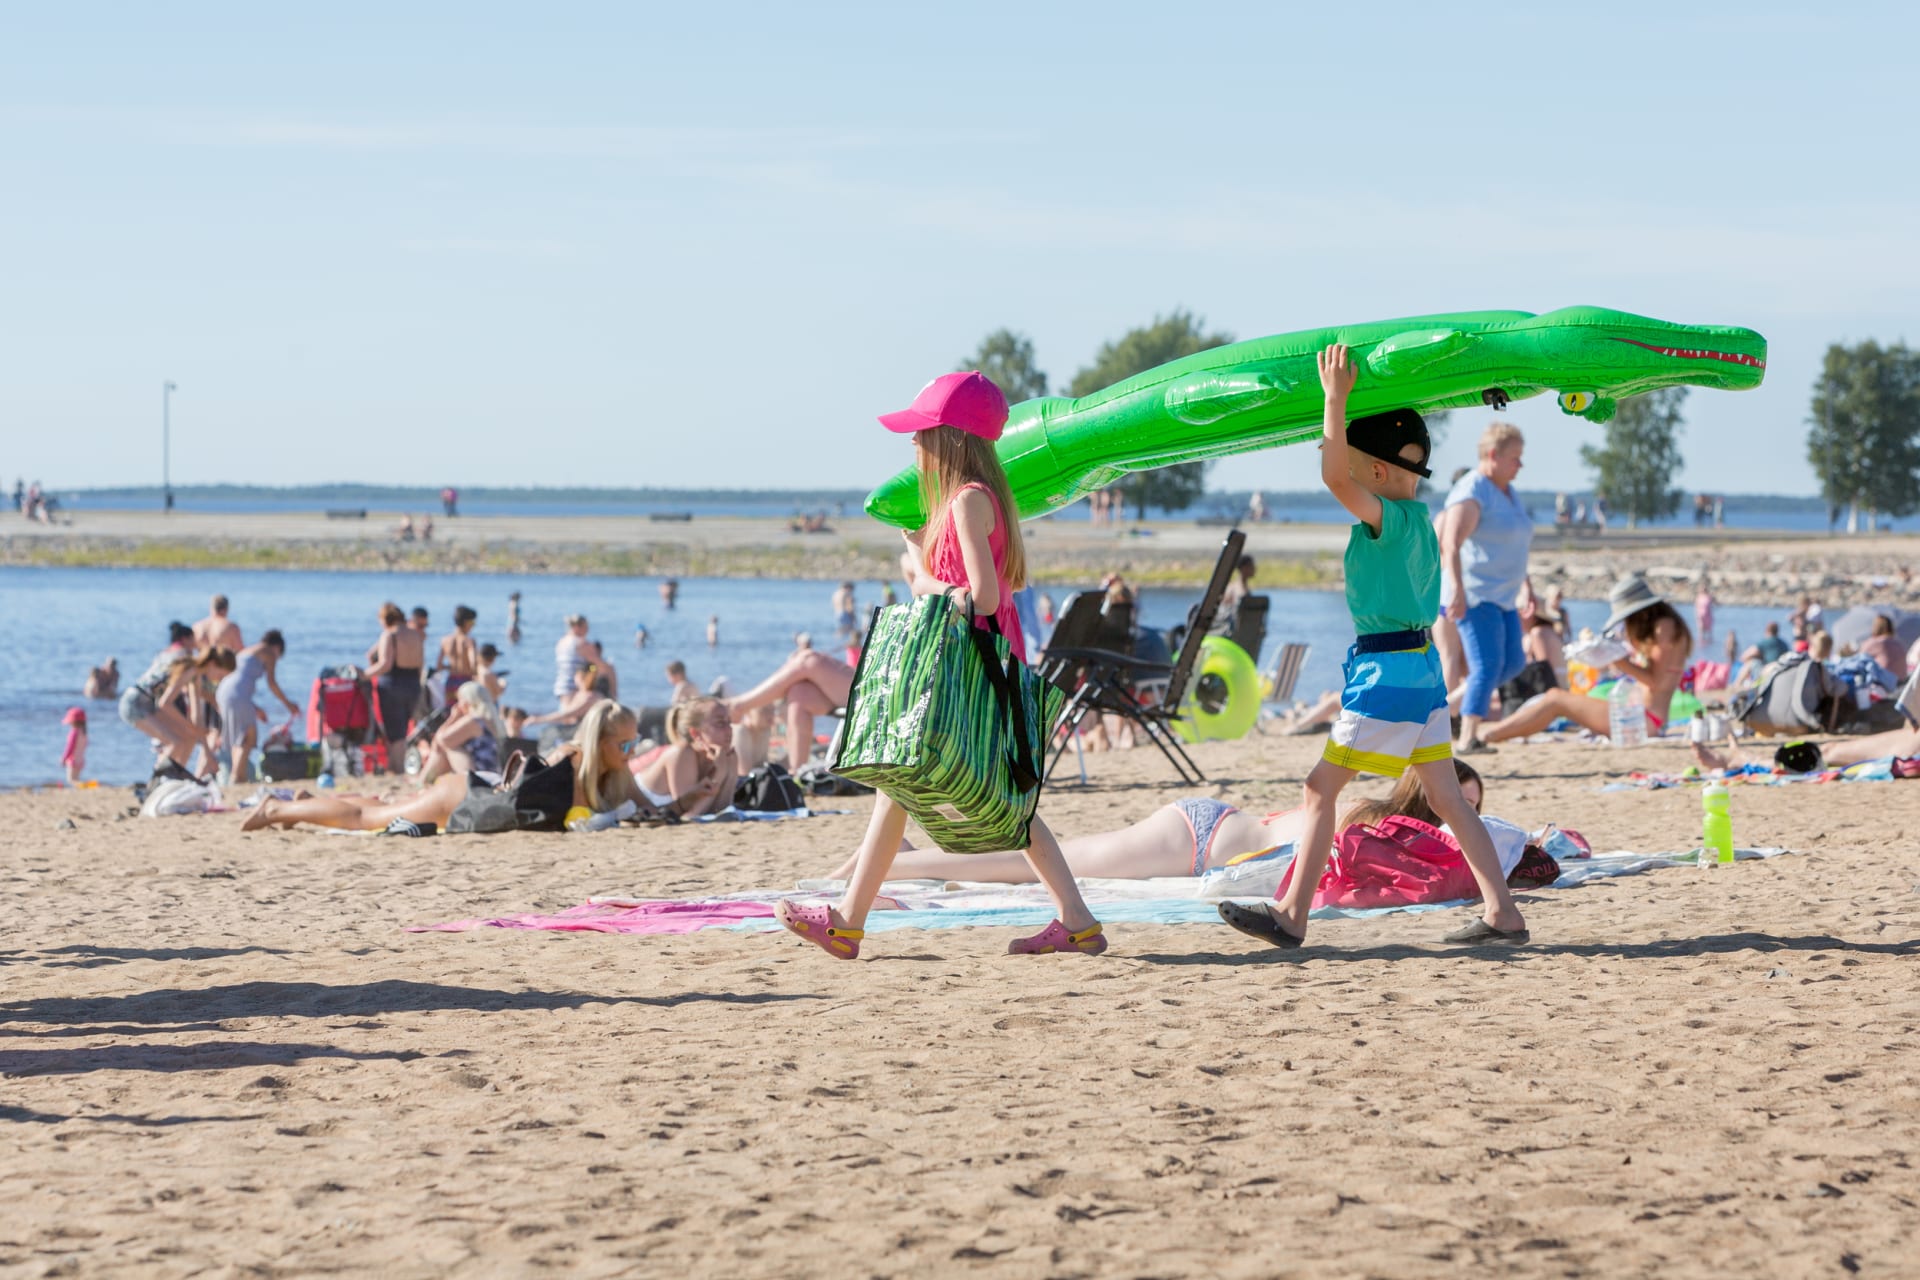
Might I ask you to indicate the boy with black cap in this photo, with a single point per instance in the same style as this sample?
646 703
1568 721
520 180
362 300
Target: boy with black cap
1393 711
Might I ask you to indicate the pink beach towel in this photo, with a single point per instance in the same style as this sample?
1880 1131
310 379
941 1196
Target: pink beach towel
596 917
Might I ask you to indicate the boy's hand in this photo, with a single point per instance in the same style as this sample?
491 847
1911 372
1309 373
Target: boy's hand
1337 371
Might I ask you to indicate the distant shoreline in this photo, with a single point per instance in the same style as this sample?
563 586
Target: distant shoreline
1747 566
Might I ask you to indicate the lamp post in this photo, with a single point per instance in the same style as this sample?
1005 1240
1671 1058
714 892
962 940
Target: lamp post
166 443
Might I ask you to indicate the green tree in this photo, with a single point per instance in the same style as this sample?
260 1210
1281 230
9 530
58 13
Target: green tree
1007 358
1636 465
1864 436
1173 488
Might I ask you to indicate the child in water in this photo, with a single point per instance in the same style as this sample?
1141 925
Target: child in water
1393 710
74 758
972 540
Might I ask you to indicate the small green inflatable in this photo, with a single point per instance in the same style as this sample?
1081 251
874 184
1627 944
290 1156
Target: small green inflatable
1223 698
1266 392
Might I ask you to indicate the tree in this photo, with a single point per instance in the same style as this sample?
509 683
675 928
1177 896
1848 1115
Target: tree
1173 488
1007 358
1864 437
1636 465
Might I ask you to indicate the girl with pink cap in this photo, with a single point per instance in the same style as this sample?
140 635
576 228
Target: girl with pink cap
971 540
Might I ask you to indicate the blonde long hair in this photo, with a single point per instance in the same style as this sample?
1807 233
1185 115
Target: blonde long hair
951 459
595 767
479 703
687 716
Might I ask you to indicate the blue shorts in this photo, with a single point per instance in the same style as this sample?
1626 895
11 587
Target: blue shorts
1203 815
1393 713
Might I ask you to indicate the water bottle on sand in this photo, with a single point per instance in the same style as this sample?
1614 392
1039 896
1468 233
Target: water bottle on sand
1626 713
1716 825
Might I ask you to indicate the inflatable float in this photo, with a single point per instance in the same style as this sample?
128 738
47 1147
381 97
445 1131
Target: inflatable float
1223 698
1266 392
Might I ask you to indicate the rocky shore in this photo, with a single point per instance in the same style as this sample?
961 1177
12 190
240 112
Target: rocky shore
1745 567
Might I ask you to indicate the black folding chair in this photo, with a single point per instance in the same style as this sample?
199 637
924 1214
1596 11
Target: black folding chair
1101 680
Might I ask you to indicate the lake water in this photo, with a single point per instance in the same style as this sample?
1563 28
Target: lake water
59 622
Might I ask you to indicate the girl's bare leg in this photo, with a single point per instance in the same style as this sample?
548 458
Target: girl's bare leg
1323 789
871 864
1050 865
805 700
1894 742
1162 845
1442 786
433 805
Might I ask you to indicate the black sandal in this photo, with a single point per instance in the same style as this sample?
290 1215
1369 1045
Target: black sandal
1257 920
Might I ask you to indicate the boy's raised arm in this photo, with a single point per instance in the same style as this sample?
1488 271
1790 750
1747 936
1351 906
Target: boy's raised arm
1337 376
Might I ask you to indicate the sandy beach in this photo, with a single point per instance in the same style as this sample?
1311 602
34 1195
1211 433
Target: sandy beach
1747 567
223 1057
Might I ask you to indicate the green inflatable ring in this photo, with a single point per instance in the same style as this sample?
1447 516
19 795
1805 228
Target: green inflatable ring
1683 707
1266 392
1223 698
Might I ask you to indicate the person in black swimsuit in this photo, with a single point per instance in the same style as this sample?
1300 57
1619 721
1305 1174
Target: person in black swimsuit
393 664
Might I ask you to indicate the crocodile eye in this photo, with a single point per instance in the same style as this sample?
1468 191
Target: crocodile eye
1576 401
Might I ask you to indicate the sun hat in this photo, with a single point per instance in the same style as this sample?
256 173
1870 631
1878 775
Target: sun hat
1384 435
1629 596
74 716
968 400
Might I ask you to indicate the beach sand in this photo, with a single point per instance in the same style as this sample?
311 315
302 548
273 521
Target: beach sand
223 1057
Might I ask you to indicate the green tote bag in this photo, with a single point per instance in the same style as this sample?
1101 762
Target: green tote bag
948 724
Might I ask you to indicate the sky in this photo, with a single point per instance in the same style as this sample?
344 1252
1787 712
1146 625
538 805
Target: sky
629 244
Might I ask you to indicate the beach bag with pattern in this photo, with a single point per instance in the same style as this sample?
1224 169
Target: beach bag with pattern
947 723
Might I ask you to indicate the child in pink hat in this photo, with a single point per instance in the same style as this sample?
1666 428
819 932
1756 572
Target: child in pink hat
971 540
74 758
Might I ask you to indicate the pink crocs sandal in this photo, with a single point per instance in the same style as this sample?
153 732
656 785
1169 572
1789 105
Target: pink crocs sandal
1055 938
814 922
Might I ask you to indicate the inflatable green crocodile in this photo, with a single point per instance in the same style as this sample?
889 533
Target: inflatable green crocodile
1263 393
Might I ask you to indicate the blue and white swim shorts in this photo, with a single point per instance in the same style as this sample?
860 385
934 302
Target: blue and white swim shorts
1393 712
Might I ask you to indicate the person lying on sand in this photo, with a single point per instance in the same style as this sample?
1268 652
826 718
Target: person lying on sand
696 773
597 757
1186 838
1661 645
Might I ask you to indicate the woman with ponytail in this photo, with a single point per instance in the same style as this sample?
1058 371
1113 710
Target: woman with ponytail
697 772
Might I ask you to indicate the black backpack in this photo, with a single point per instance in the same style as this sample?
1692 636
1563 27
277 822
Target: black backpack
535 797
769 789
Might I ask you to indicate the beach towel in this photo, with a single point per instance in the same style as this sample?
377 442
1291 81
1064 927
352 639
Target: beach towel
926 904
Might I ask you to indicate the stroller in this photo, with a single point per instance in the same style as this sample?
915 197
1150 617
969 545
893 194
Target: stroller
340 717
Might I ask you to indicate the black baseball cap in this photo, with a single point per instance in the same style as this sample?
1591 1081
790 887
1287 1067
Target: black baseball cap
1384 435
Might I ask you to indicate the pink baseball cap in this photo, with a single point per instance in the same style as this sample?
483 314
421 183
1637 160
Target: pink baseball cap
968 401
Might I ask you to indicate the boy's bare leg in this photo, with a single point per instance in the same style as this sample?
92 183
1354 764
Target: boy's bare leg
871 863
1323 789
1442 786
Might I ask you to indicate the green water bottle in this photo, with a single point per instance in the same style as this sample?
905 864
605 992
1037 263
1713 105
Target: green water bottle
1716 825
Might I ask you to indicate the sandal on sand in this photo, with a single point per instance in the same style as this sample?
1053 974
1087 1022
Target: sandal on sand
1055 938
1256 920
1480 932
1475 747
815 923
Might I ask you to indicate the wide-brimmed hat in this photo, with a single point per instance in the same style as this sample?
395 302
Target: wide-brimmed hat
1629 596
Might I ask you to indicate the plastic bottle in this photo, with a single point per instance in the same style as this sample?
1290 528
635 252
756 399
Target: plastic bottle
1626 714
1716 825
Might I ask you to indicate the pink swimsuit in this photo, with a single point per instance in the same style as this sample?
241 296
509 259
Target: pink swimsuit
946 564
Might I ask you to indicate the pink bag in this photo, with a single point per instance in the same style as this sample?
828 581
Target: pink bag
1400 862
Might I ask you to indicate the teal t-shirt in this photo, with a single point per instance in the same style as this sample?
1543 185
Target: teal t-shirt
1393 581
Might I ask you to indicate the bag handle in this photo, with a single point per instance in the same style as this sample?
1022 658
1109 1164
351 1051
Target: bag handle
1020 763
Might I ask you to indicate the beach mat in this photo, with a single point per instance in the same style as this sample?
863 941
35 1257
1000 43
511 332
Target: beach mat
929 904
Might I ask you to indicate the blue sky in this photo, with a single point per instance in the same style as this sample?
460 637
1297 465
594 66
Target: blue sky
626 244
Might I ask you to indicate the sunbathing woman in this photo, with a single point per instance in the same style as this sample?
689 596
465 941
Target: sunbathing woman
470 739
1661 644
696 773
813 684
1186 838
597 756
